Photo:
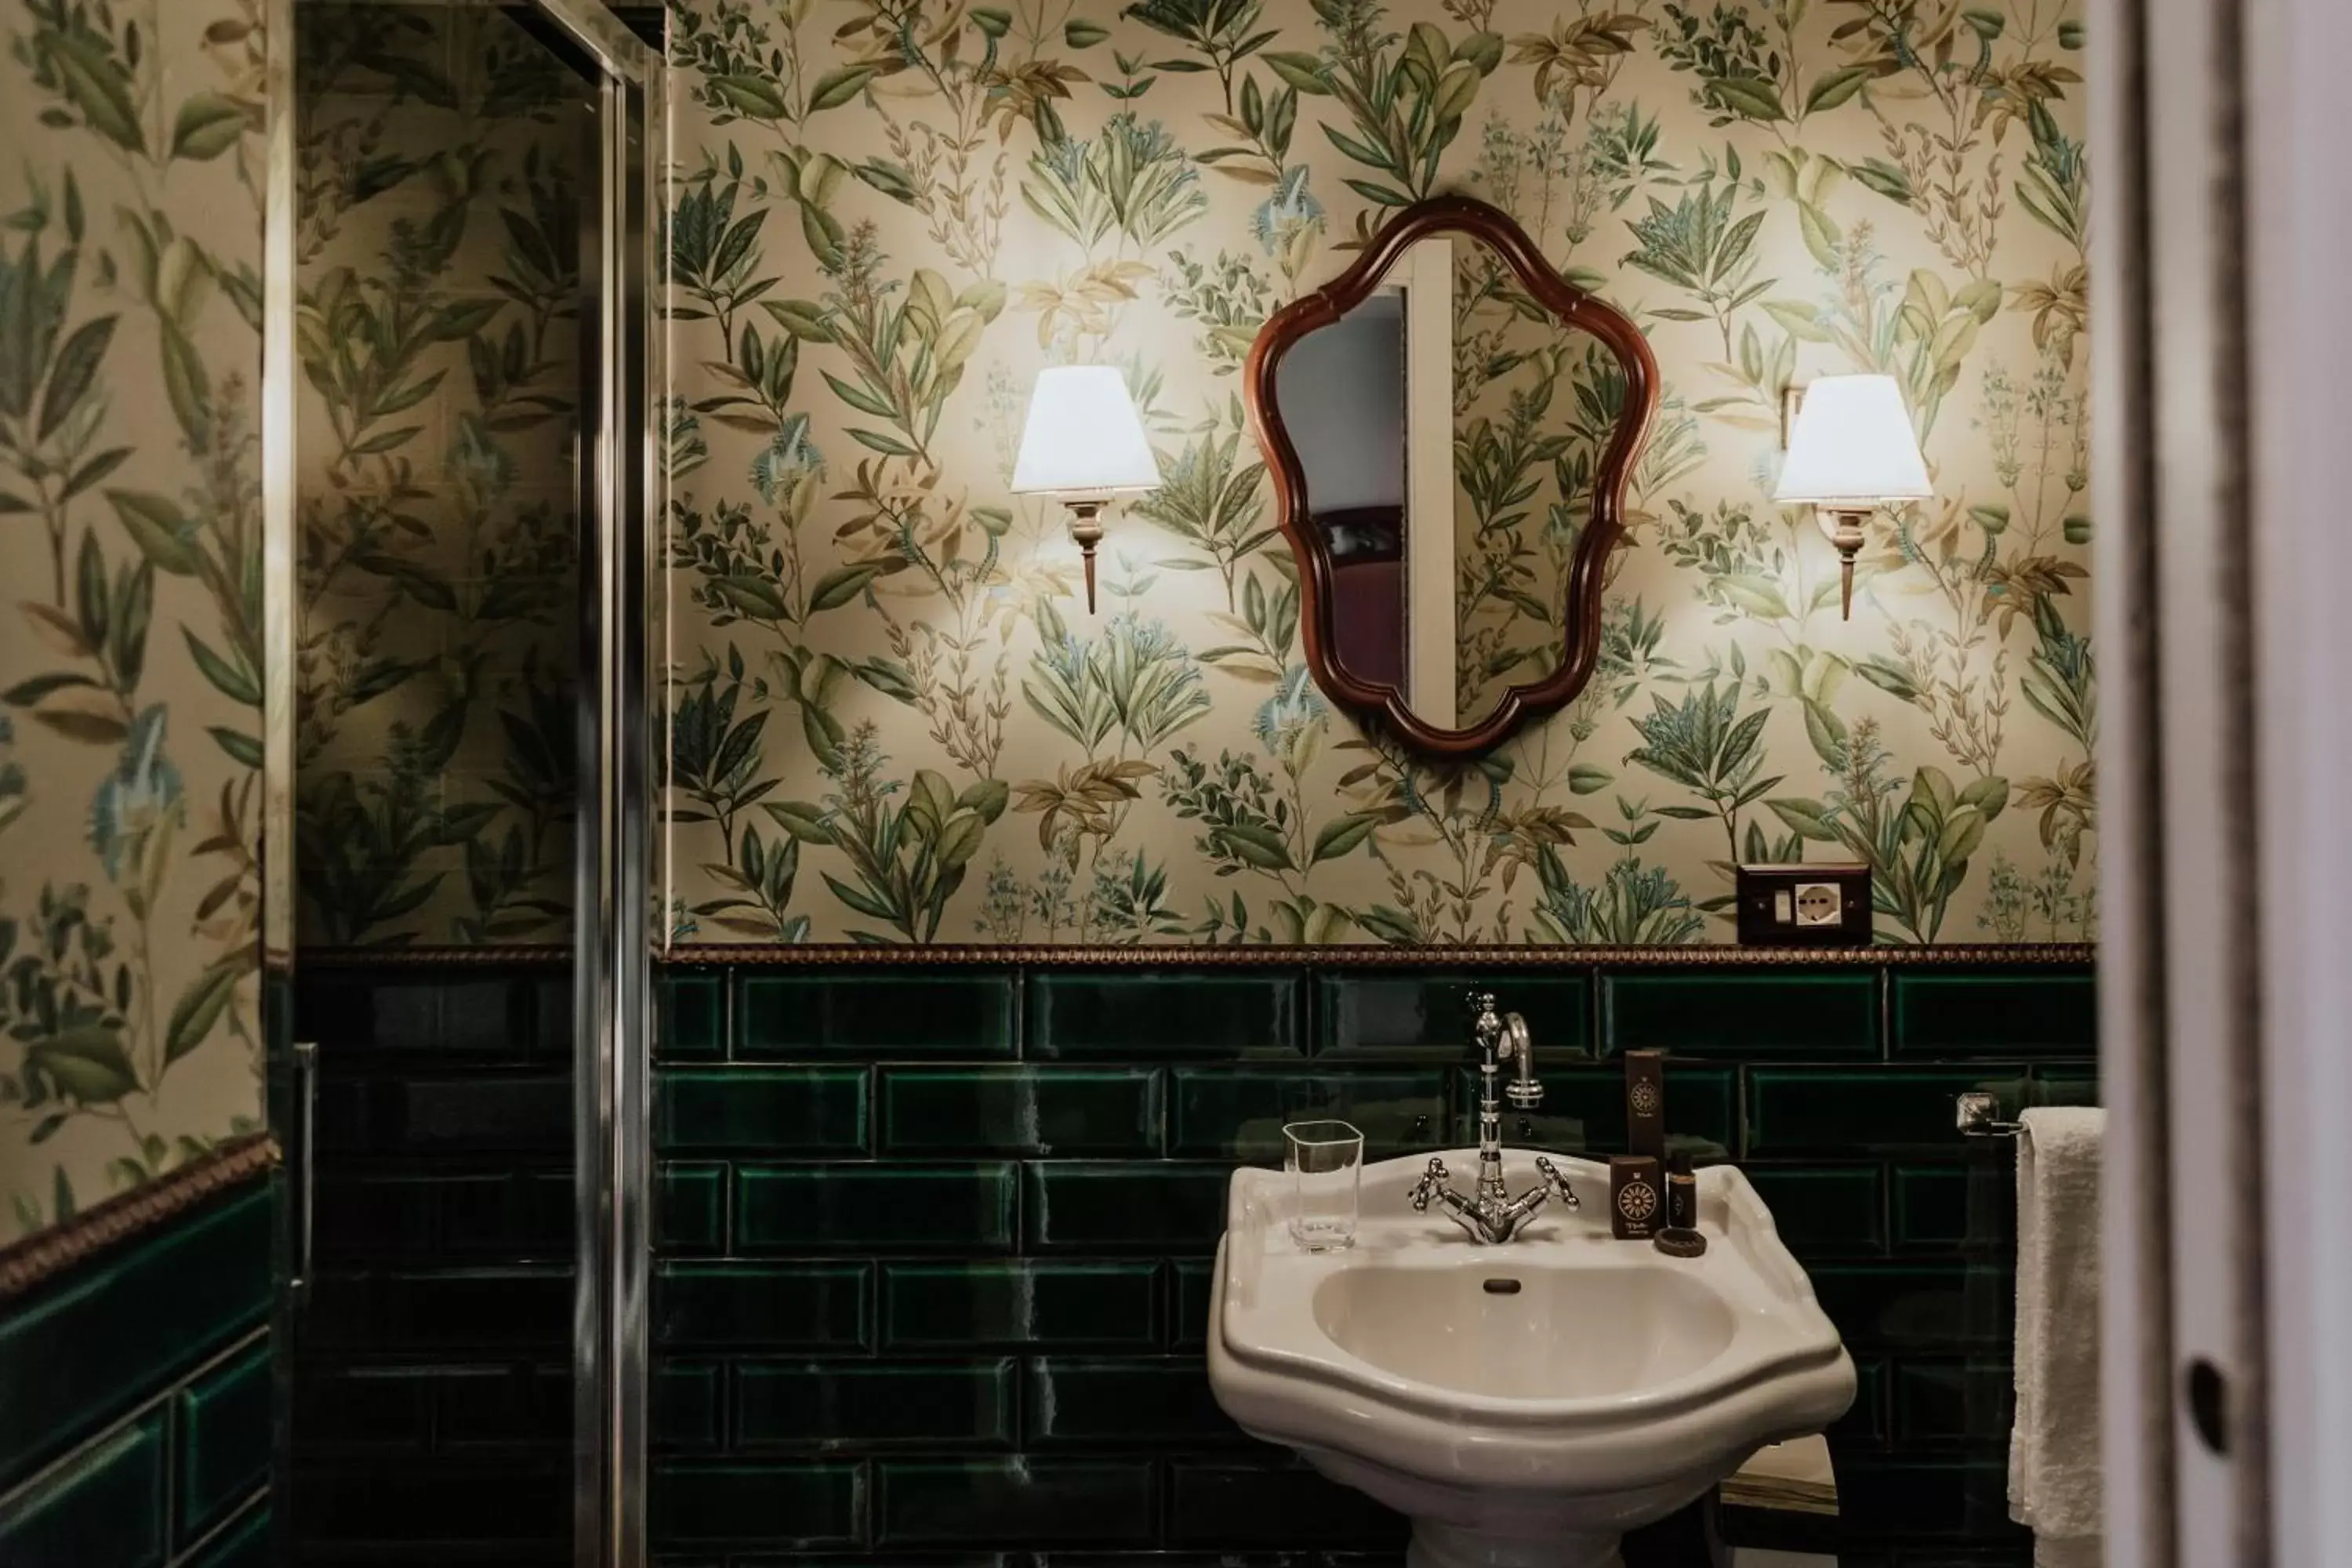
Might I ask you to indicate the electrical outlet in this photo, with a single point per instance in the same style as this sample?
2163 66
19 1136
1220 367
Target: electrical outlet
1819 904
1804 906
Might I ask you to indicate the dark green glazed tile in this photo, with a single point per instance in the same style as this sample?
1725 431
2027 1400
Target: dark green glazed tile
1916 1308
515 1212
1016 1304
1866 1420
397 1215
1085 1400
1122 1207
2071 1084
1904 1499
223 1440
1426 1017
774 1306
1237 1113
690 1016
1099 1559
1271 1503
496 1511
1954 1400
1191 1285
1794 1112
775 1505
1997 1012
888 1014
1020 1111
491 1308
1969 1208
1584 1111
104 1506
213 1266
339 1408
553 1037
1167 1014
483 1016
690 1207
1824 1212
1016 1502
829 1404
843 1208
433 1212
474 1113
686 1399
510 1409
790 1112
1801 1017
244 1544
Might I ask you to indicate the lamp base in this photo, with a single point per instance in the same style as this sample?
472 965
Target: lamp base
1843 524
1085 528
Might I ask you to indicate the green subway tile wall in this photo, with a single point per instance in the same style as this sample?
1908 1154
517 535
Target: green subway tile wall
933 1256
431 1393
135 1421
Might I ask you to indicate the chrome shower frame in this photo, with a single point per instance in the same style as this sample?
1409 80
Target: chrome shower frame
621 476
621 488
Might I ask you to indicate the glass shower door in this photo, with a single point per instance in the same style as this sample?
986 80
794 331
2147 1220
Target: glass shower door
462 228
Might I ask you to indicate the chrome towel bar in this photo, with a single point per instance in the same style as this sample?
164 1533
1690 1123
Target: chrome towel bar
1978 1115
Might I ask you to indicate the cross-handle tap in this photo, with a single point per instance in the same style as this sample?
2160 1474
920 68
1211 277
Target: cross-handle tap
1431 1184
1556 1184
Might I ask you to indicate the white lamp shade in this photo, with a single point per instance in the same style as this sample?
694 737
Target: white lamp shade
1853 443
1083 437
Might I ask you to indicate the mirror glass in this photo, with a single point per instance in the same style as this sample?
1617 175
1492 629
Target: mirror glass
1448 428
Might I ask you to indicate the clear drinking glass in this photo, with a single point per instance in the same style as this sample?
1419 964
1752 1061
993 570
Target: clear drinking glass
1326 1162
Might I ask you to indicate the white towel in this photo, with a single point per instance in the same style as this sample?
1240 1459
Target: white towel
2053 1451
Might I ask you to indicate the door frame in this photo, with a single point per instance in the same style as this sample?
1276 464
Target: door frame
2298 233
2220 333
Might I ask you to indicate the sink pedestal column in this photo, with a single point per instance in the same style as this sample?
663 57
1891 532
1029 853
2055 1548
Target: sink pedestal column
1436 1545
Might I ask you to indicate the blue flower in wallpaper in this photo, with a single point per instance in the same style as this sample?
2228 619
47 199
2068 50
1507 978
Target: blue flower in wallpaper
788 454
142 793
1291 210
1294 709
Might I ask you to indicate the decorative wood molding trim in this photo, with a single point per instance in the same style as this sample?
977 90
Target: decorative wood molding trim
1357 956
72 1242
522 956
1367 956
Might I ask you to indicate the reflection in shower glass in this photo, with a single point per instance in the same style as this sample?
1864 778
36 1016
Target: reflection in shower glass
443 151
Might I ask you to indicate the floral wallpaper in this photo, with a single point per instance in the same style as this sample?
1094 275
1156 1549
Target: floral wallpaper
129 645
892 719
439 280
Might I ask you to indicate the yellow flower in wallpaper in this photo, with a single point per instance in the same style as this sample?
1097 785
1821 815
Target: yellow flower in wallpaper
129 529
892 719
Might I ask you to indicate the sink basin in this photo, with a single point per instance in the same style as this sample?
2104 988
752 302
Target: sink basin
1525 1404
1493 1328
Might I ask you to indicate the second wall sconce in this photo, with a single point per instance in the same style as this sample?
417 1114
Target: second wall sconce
1084 443
1851 450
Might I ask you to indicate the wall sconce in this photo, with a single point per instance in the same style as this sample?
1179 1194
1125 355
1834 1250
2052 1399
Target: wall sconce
1084 443
1851 450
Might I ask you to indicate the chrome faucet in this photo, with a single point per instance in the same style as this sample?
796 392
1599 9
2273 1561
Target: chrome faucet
1494 1216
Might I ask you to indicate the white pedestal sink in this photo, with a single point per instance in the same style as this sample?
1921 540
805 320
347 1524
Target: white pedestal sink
1525 1404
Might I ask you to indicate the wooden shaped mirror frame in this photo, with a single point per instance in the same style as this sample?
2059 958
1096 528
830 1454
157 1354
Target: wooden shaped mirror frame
1573 309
